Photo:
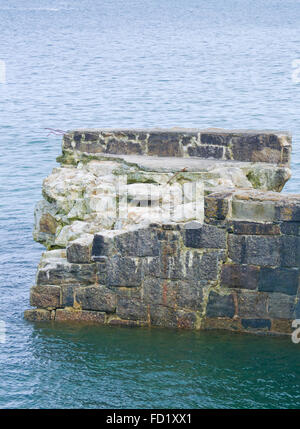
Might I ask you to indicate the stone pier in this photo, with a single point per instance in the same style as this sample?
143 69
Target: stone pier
179 228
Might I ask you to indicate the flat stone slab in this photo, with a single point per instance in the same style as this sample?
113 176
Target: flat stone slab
172 164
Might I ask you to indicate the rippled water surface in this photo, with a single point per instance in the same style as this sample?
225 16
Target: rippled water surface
135 63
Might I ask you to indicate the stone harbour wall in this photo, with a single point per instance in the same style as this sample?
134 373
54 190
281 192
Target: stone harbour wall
234 265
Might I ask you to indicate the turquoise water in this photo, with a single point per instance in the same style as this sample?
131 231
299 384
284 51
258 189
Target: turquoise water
135 63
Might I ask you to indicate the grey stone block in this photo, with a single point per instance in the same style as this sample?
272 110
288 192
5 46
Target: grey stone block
252 304
67 295
163 316
206 151
261 250
66 273
166 267
253 211
97 297
45 296
190 295
131 308
102 245
186 319
37 315
175 294
255 228
256 147
164 144
256 324
220 305
122 146
281 306
207 236
290 251
123 271
290 228
217 206
71 315
254 250
143 242
157 291
80 251
236 248
240 276
288 212
281 280
221 139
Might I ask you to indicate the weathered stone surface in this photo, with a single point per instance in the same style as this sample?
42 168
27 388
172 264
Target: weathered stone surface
221 323
207 151
98 298
281 280
186 319
164 144
281 326
254 250
166 267
219 139
163 316
236 248
116 321
217 206
290 228
67 294
203 267
246 145
143 242
256 324
206 236
170 293
281 306
190 295
48 223
71 315
131 308
240 276
45 296
121 146
103 244
37 315
254 228
259 148
57 273
290 251
220 305
160 292
268 178
252 304
288 212
253 210
80 251
124 271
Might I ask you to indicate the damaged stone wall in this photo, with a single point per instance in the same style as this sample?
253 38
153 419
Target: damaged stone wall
229 260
